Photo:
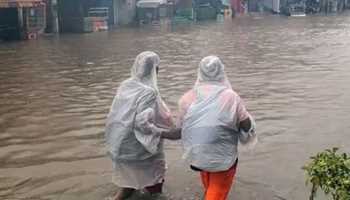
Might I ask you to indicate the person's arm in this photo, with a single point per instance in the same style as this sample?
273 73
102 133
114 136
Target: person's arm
247 131
246 125
146 132
174 134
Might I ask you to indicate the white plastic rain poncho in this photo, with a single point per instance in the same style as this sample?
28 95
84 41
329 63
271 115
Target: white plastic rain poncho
134 125
210 114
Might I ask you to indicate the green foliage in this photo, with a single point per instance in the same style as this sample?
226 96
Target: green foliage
329 171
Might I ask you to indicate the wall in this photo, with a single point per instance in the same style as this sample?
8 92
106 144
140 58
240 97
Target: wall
272 5
253 6
9 24
125 11
70 14
51 16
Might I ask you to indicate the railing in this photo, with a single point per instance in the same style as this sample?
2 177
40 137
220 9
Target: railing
99 12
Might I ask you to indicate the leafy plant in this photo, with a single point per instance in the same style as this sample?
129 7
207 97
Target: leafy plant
329 171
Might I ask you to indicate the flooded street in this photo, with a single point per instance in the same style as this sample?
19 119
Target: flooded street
294 74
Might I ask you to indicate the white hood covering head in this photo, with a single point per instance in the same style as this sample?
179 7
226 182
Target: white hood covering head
212 70
144 69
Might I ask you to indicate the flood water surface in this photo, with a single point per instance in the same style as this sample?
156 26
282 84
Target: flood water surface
294 74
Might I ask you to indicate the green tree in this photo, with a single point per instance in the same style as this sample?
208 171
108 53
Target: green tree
329 171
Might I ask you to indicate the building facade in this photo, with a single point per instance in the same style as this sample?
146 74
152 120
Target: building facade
22 19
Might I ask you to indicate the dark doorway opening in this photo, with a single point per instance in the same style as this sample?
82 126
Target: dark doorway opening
9 27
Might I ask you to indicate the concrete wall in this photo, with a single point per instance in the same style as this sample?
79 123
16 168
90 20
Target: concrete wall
253 6
125 11
272 5
9 24
71 15
52 16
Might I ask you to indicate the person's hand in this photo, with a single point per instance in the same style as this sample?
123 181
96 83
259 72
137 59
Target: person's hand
173 134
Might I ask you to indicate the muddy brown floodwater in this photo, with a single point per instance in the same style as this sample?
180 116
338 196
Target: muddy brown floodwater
294 74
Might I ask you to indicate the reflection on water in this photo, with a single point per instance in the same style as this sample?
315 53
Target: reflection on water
55 94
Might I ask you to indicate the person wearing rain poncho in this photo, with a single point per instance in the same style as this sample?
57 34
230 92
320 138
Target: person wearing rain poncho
136 120
214 120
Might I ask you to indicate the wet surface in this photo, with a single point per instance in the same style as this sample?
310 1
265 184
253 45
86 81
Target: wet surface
55 93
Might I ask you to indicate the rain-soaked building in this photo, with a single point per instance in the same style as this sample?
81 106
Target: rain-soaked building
87 15
21 19
79 15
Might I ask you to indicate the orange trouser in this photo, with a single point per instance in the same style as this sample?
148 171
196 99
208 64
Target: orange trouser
218 184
